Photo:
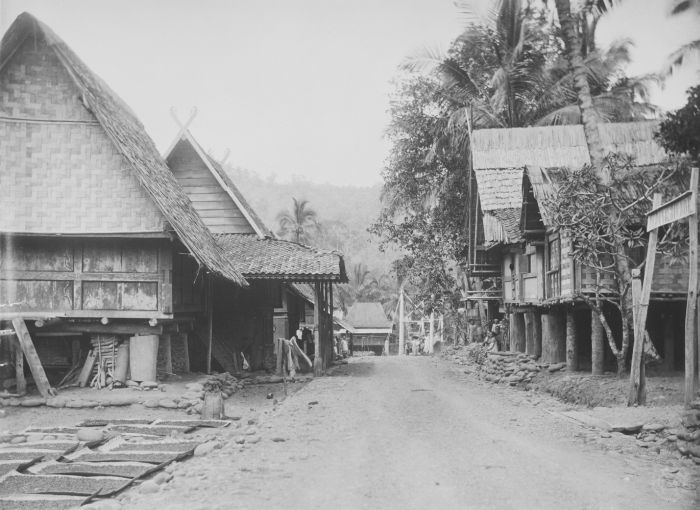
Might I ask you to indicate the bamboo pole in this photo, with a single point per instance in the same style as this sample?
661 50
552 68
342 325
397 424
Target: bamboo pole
691 347
318 362
402 339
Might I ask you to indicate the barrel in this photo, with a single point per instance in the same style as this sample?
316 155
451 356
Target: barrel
143 357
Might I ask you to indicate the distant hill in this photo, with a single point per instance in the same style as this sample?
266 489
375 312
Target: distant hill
345 211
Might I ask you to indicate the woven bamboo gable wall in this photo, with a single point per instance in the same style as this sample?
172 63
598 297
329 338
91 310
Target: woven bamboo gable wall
59 172
210 200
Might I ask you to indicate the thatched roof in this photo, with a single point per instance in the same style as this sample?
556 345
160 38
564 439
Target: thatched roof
562 146
367 316
281 260
545 181
130 139
500 197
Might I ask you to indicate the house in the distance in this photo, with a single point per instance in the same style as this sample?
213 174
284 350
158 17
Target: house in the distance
368 327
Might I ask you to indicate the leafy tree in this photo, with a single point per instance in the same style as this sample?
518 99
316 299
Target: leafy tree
606 223
298 224
680 132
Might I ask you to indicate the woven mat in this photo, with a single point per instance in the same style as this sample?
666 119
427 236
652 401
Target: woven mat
10 465
51 430
150 457
156 446
40 502
60 484
97 422
194 423
153 430
12 454
62 446
122 469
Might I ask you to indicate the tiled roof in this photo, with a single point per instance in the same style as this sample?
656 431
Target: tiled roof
133 143
275 258
367 315
562 146
510 222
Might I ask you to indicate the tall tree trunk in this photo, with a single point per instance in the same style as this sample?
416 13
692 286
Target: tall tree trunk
589 116
590 120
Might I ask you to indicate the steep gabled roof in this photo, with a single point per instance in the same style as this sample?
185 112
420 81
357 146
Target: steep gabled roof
368 316
130 139
224 181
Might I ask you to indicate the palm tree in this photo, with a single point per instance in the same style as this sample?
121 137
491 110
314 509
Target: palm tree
589 116
298 224
692 48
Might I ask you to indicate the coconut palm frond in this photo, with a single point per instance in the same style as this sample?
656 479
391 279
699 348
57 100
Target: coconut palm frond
678 57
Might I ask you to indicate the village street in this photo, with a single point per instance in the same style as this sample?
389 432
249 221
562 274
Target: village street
411 433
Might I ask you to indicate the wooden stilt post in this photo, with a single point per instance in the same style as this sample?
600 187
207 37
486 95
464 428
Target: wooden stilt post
210 321
640 296
597 345
571 347
37 369
318 362
517 332
20 380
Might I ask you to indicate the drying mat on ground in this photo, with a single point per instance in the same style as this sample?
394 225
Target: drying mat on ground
97 422
13 454
194 423
62 446
51 430
61 484
156 446
150 457
40 502
153 430
123 469
10 465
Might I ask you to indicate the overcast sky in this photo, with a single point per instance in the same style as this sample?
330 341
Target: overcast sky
291 87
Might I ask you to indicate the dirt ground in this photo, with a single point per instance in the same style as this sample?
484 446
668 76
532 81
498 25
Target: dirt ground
418 432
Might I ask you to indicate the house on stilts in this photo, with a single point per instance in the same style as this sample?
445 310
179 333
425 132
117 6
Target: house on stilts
101 240
528 260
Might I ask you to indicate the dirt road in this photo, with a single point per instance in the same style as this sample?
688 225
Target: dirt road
411 433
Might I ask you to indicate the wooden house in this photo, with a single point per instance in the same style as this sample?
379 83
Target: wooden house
368 327
540 280
248 320
97 236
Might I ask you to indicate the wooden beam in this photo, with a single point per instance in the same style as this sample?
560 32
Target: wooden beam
115 328
37 369
318 362
640 298
691 324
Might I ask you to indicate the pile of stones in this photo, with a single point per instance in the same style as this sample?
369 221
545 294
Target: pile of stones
689 433
513 368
